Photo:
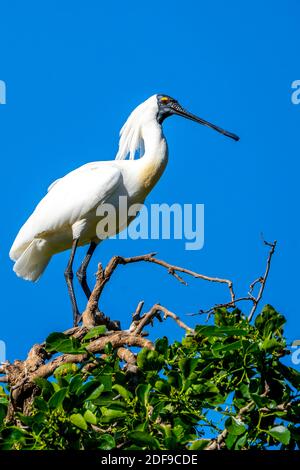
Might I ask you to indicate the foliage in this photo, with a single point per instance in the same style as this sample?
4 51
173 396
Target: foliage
226 380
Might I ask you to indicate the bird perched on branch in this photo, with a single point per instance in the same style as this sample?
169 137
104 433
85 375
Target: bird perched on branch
66 217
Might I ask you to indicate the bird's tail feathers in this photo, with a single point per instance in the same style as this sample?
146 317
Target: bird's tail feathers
33 261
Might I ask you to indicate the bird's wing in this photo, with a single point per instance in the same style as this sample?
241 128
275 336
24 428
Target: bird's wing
69 200
53 184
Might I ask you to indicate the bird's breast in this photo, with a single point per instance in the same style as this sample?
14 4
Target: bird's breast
152 169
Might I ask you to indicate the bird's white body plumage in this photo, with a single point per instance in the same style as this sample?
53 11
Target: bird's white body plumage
68 210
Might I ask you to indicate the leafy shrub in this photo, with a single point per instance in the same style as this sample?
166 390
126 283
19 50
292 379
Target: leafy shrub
224 386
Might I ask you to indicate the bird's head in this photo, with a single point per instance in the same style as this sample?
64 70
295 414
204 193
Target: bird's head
168 106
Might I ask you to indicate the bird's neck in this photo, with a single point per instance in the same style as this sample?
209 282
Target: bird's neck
155 157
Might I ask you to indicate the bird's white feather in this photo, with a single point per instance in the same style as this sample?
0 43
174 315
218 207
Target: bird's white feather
33 261
68 201
131 134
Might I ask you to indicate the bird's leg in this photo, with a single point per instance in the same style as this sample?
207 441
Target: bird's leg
69 280
81 273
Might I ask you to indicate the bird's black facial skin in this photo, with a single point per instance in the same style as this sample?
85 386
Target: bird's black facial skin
168 106
164 107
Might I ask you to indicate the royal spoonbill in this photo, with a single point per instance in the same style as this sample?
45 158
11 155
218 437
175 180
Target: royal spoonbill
66 217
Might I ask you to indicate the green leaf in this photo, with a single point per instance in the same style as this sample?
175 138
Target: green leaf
40 404
57 398
163 386
142 393
235 426
3 411
150 360
45 386
4 400
269 321
78 420
96 393
106 442
292 375
241 441
75 383
65 369
90 417
111 415
221 348
144 439
106 381
187 365
230 440
281 434
94 332
86 387
244 389
199 444
161 345
271 344
220 331
126 394
59 342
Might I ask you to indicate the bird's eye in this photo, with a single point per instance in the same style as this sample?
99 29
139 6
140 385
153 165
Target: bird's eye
164 100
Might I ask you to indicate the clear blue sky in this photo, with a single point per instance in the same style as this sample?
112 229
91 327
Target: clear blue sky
74 71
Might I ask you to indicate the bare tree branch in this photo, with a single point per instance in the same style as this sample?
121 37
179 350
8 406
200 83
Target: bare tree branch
250 297
92 316
167 313
263 279
172 269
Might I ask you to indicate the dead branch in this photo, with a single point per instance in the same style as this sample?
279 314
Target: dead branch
136 315
90 317
168 314
174 270
250 297
263 279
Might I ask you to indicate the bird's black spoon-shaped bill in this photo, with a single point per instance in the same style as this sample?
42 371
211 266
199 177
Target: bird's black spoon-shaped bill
177 109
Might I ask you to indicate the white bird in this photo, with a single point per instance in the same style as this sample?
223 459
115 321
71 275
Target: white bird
66 217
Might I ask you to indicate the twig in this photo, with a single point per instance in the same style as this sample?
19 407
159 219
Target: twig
263 279
89 318
209 311
250 297
138 326
146 319
172 269
167 313
136 315
219 441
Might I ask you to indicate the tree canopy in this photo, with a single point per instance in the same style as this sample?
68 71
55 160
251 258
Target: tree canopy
224 386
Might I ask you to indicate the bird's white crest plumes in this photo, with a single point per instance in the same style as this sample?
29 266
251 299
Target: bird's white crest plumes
131 138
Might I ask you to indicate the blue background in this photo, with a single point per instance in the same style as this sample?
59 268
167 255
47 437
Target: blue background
75 70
